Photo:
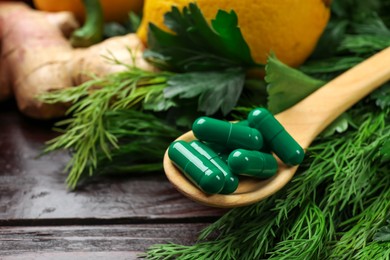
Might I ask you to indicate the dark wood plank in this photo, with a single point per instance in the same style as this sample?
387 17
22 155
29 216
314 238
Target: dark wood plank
32 188
74 255
91 242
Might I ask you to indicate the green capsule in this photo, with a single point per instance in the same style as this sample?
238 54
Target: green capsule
221 150
274 134
224 156
227 134
196 168
242 122
217 148
252 163
231 181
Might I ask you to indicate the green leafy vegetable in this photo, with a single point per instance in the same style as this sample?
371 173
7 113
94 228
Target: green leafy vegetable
214 58
216 90
364 43
286 86
339 125
382 96
330 65
196 46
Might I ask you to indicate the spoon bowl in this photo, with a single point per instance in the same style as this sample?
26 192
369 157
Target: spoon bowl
304 121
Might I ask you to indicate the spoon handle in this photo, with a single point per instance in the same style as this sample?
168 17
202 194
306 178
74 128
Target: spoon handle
313 114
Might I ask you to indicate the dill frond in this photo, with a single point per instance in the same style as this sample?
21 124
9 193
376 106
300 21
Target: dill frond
86 132
374 250
305 238
363 226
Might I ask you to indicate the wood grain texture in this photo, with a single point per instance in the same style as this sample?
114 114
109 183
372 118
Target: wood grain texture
91 242
74 255
32 188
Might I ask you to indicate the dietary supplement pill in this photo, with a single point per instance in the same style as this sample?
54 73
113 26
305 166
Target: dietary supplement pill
242 122
217 148
231 181
224 156
252 163
228 134
274 134
196 167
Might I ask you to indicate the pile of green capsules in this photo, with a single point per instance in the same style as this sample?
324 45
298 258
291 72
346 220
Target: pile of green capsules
225 150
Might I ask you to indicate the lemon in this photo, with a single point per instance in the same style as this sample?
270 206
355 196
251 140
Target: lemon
289 28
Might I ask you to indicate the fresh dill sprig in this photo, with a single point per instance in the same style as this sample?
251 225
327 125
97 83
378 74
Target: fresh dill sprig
362 227
306 236
374 250
143 139
86 133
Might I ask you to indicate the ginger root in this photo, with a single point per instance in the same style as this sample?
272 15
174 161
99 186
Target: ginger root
35 57
65 21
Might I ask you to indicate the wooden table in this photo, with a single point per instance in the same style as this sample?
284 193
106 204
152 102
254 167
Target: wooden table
111 218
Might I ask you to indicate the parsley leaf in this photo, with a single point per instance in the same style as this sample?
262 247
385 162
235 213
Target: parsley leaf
330 65
215 90
382 96
158 103
286 86
363 44
339 125
197 46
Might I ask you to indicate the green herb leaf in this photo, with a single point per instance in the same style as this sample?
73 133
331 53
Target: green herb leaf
286 86
158 103
339 125
371 24
254 94
196 46
215 90
383 233
330 39
363 44
232 42
355 9
330 65
382 96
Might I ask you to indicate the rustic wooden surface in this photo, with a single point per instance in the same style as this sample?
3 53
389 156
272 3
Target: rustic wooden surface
111 218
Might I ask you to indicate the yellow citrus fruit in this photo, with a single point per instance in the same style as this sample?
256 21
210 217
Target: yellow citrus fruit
113 10
289 28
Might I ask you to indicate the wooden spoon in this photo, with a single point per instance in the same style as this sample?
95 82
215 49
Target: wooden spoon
304 122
